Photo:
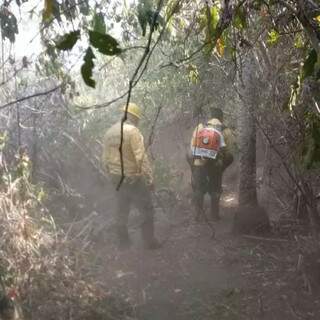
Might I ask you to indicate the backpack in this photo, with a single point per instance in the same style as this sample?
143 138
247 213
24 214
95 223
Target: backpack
207 143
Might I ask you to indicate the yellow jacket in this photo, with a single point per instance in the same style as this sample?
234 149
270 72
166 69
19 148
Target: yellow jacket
135 159
228 139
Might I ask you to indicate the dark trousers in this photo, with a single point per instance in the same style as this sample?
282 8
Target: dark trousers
207 179
134 192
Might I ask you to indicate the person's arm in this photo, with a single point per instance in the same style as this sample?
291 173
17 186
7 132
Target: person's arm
189 154
222 140
194 134
229 139
138 149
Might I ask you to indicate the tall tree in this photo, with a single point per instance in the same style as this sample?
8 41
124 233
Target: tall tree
247 136
250 216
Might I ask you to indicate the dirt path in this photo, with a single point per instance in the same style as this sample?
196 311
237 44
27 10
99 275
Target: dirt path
181 278
195 277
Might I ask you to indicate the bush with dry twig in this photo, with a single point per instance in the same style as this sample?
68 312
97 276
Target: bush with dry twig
40 264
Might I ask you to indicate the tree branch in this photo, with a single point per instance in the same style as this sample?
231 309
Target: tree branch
134 83
39 94
223 24
131 82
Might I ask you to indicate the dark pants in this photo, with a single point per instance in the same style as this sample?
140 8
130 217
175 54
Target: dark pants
134 192
207 179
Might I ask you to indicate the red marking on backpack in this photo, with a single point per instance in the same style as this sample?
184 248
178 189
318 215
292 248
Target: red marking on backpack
207 138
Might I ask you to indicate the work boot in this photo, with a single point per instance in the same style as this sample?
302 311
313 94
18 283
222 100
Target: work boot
123 237
198 201
199 214
215 214
149 240
153 244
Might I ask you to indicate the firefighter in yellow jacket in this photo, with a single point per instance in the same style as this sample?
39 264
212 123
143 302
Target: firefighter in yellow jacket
207 173
137 185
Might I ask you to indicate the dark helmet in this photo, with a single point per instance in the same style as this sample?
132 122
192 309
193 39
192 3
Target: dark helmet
216 113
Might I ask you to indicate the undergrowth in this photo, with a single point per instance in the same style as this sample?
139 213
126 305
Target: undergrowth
42 265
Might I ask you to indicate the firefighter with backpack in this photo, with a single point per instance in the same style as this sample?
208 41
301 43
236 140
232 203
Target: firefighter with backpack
209 155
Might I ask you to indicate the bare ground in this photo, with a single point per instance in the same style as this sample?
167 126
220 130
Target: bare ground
196 277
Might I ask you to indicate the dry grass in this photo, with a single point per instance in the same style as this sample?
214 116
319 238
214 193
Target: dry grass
44 266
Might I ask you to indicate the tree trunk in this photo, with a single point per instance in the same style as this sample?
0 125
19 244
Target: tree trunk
247 157
249 217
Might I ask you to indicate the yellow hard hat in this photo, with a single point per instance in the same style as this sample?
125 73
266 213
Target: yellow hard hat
133 109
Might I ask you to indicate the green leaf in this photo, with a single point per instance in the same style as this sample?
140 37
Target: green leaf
98 23
68 40
309 64
47 11
86 68
105 43
51 10
273 37
240 19
214 16
299 41
211 22
212 19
